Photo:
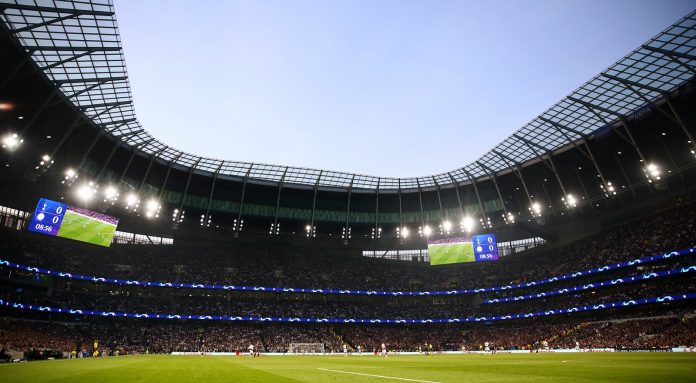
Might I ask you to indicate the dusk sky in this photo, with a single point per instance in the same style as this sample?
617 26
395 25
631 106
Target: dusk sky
385 88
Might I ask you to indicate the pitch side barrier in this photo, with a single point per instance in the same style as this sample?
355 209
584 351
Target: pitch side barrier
577 274
570 310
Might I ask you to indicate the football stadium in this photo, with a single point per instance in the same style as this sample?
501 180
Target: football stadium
564 251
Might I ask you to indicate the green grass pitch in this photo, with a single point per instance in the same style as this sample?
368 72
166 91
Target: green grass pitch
537 368
445 253
80 228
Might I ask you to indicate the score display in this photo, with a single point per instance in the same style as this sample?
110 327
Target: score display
62 220
478 248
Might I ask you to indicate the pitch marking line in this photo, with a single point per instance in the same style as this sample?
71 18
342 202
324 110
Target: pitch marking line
377 376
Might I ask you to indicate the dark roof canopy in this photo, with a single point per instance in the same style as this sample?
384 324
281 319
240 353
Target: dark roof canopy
77 47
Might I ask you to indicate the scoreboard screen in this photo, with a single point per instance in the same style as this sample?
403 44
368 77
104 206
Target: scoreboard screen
478 248
62 220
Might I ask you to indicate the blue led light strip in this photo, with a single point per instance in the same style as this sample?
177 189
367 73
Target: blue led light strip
672 254
570 310
594 285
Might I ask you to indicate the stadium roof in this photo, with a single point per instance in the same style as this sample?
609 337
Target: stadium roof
77 46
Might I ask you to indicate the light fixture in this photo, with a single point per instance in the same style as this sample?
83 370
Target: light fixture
131 200
110 193
468 224
404 232
447 225
85 192
427 231
570 201
535 208
11 141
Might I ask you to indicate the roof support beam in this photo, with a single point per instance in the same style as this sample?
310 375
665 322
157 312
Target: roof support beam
166 176
79 12
87 89
275 215
401 218
420 201
134 151
188 183
456 190
350 190
90 79
629 137
49 48
314 205
587 152
674 56
674 117
212 191
518 172
439 199
484 219
89 148
377 235
149 166
105 104
39 25
238 225
497 188
547 161
72 127
10 76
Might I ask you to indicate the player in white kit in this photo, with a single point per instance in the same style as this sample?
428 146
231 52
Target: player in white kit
384 350
251 350
486 347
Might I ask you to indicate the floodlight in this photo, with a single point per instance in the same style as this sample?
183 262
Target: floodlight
427 230
85 192
570 201
653 171
131 199
468 224
535 208
404 232
152 205
110 192
11 141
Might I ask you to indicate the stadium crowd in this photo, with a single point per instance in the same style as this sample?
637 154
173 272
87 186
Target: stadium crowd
147 337
288 267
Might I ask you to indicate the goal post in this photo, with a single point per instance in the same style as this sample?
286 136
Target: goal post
306 348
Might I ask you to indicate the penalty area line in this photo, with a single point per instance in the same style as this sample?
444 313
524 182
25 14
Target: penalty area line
377 376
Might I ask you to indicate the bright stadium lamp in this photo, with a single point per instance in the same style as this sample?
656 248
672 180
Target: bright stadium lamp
570 201
652 171
131 200
535 208
510 218
85 192
468 224
152 205
404 232
427 231
11 141
110 193
447 225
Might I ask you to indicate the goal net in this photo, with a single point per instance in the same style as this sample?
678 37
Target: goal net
306 348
